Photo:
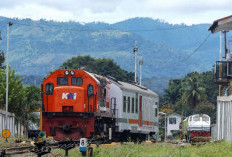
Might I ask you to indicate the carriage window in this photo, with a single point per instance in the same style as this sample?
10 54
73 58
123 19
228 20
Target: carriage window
62 81
77 81
136 103
133 105
49 88
124 104
128 108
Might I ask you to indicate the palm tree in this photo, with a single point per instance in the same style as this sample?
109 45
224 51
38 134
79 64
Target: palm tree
172 94
193 93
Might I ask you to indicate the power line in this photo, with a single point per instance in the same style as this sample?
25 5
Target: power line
184 59
194 51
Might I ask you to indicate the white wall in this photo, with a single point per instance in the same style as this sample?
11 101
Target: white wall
173 126
224 118
11 122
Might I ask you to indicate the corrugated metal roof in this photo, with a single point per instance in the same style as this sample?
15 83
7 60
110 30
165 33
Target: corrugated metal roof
125 85
134 87
223 24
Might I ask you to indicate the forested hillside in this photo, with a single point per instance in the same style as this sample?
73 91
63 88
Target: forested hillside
37 47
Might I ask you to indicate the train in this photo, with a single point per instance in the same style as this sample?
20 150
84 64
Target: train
196 128
79 104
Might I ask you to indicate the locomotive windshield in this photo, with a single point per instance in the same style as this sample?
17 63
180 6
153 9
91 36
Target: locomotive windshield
62 81
77 81
205 118
196 118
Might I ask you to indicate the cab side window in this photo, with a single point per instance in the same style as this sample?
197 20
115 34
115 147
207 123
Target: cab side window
49 88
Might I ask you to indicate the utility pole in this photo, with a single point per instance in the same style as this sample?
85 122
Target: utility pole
225 42
135 51
220 59
7 73
165 125
0 36
140 67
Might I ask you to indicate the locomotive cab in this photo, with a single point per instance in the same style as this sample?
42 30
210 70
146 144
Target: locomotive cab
71 100
67 92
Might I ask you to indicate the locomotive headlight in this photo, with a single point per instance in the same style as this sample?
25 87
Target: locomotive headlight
72 72
66 72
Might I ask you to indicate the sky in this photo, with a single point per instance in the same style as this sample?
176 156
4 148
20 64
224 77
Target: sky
111 11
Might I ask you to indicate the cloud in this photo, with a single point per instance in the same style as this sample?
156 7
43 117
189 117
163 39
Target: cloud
174 11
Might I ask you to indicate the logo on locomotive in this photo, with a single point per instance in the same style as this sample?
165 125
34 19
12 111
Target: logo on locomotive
69 96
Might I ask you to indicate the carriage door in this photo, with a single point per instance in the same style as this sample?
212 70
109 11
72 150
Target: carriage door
140 111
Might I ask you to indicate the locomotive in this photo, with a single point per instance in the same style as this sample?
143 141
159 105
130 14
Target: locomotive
77 104
196 128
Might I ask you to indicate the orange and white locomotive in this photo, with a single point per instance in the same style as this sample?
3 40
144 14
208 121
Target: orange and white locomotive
79 104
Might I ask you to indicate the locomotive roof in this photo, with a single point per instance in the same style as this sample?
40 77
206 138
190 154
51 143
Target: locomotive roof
205 115
134 87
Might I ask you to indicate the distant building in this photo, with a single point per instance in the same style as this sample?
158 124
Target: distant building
173 121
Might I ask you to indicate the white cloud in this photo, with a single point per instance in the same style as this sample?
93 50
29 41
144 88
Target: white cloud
173 11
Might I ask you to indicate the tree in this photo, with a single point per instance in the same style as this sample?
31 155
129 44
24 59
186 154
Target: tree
210 86
208 108
172 94
102 67
193 92
32 102
16 92
2 59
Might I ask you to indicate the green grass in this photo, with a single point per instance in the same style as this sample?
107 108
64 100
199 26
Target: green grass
11 142
220 149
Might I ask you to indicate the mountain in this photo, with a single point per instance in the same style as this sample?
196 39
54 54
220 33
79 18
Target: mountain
37 47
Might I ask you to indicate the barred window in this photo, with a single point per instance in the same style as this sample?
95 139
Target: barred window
62 81
76 81
172 120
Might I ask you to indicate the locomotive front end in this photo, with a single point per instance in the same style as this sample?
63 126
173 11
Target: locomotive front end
67 107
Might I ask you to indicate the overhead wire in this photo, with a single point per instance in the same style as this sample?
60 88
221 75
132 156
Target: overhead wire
195 50
184 59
